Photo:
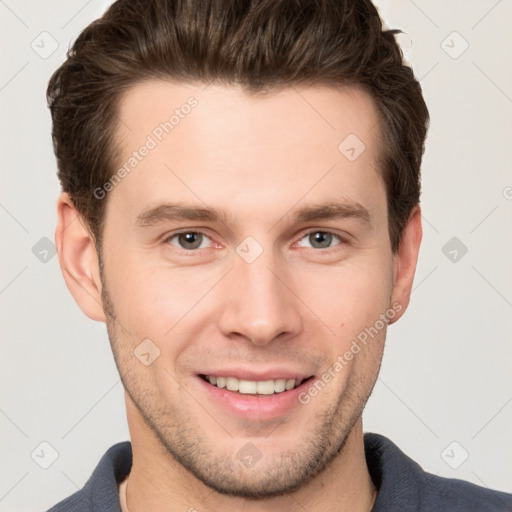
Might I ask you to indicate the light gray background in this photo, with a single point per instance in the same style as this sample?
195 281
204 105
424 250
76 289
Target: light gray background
446 372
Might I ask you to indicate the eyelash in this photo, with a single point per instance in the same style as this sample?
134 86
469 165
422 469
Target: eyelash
302 235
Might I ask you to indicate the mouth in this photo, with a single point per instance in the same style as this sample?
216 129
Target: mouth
266 387
255 396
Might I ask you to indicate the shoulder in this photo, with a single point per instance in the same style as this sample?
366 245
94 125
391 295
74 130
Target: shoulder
403 485
78 502
100 493
457 495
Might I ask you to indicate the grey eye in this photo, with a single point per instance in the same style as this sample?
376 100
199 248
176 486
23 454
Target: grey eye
190 240
320 239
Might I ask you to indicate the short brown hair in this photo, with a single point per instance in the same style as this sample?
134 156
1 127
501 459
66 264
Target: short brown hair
262 45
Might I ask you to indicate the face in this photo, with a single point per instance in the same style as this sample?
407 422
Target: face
245 256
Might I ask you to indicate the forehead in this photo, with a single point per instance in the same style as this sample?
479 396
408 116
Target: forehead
314 114
221 145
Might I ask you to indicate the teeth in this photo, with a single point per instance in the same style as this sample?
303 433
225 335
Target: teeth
247 386
279 385
252 387
266 387
232 384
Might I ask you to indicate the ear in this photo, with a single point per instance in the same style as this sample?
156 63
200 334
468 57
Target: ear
78 259
404 263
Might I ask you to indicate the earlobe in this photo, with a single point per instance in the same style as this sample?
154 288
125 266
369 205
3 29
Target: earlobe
78 259
405 259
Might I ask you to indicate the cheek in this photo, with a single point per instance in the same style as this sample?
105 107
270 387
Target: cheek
151 298
350 297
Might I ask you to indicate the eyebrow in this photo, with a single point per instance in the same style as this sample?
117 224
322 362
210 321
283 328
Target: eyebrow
178 211
334 210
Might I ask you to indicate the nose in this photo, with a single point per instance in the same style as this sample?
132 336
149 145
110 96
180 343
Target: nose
259 304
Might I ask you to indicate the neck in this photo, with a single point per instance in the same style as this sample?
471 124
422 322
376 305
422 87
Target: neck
158 483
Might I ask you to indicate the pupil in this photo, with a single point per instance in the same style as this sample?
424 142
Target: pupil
190 240
320 239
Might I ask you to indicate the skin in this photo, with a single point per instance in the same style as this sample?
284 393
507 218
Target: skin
297 306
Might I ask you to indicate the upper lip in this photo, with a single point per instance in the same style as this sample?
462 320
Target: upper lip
248 374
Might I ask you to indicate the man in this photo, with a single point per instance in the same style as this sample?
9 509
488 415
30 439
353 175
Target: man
240 203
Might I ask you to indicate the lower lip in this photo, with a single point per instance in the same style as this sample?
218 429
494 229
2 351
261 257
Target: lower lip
261 407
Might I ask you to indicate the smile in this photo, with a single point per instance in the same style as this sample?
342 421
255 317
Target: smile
253 387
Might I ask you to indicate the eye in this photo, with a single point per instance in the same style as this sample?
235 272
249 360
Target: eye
189 240
319 239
